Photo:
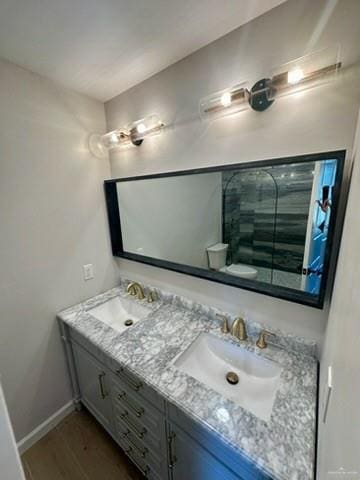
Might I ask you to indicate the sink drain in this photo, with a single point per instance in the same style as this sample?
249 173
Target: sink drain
232 378
128 322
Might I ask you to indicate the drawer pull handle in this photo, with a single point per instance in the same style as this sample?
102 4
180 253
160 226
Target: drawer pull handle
101 385
172 456
125 434
134 385
145 470
125 417
143 452
138 412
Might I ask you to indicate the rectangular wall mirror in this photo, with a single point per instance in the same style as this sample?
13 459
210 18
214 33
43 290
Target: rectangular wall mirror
265 226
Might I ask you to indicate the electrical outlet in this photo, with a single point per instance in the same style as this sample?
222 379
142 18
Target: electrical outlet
88 271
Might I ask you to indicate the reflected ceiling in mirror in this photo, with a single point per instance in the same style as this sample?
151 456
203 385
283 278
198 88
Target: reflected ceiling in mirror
265 226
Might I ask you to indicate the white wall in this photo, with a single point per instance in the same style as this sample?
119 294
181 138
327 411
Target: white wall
339 437
11 468
316 120
179 229
52 221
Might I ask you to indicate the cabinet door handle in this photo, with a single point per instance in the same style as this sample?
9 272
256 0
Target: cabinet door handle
134 385
138 412
143 452
172 456
125 417
145 470
101 385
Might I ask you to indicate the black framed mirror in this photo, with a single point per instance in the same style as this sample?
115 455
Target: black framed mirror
265 226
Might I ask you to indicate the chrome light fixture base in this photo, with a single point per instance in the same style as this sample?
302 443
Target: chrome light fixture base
260 94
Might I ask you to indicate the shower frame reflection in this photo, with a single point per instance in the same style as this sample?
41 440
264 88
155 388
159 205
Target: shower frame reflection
224 191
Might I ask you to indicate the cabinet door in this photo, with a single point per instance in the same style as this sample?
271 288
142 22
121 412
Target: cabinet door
94 384
193 462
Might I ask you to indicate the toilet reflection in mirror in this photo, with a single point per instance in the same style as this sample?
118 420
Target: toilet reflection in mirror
264 224
217 261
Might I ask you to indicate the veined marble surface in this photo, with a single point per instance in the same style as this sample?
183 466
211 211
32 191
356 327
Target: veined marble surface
284 447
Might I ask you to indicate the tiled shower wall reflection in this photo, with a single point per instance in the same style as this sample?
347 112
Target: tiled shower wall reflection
265 214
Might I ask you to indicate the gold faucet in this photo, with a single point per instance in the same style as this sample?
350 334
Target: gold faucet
225 324
238 329
134 288
261 342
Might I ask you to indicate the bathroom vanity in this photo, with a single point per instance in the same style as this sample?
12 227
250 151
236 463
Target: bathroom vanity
158 387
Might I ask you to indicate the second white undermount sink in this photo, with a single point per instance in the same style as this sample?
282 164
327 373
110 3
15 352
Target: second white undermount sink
120 313
210 359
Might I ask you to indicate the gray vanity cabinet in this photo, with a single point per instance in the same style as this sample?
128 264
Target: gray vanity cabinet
94 385
131 412
161 440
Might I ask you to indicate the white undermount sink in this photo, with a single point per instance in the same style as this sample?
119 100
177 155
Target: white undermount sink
120 313
209 359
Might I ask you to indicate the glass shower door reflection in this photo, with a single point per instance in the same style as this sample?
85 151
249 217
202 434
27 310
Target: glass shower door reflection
249 221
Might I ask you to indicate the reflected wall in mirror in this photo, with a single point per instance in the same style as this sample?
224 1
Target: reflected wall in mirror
265 226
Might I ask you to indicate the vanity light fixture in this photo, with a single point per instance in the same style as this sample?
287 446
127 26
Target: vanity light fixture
305 72
134 134
225 102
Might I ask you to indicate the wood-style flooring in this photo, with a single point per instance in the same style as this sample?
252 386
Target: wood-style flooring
78 449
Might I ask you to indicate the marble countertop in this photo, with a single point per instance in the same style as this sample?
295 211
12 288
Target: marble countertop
283 448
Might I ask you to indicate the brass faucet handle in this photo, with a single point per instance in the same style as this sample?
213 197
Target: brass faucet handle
261 342
225 323
151 296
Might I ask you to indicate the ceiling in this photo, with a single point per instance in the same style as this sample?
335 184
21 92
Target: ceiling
103 47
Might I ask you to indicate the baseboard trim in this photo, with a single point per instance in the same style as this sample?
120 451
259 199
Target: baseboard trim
45 427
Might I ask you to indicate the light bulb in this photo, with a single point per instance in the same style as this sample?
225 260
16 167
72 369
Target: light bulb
141 128
295 76
225 99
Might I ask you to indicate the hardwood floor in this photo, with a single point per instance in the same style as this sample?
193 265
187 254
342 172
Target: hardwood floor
78 449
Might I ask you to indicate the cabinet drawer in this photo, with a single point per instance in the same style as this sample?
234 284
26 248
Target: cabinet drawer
150 431
144 443
156 461
141 424
145 467
141 410
137 387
